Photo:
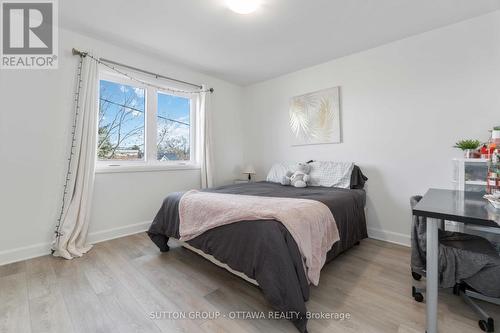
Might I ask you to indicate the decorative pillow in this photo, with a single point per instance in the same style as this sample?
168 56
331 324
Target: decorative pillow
278 171
331 174
323 173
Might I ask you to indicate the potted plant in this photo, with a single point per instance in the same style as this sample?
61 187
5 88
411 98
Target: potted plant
468 146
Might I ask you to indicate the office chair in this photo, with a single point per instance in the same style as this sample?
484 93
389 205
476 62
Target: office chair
468 263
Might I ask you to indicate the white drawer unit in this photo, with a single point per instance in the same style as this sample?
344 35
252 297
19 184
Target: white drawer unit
470 174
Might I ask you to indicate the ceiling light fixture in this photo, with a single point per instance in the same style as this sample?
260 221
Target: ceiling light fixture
243 6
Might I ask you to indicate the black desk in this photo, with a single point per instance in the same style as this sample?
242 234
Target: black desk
439 205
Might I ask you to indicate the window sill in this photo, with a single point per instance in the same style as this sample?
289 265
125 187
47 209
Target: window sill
105 168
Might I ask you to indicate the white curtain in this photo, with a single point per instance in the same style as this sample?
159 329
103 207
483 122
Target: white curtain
74 224
206 143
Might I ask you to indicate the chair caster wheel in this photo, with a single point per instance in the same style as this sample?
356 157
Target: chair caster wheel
417 296
486 326
416 276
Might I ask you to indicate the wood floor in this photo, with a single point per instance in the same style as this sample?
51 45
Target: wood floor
117 286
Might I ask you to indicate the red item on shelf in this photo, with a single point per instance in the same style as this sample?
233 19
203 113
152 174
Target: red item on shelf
484 152
492 148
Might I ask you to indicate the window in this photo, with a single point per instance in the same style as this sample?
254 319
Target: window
122 111
174 129
140 125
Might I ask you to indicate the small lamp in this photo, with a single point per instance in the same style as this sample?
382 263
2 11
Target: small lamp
249 170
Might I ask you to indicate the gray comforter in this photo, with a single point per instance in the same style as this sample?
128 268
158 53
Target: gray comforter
264 250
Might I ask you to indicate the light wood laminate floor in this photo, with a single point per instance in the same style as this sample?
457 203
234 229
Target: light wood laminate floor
119 283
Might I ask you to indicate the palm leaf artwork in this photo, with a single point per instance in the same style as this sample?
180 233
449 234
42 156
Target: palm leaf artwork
299 122
300 115
323 129
313 117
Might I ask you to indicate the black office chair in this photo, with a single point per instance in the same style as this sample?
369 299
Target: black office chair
470 264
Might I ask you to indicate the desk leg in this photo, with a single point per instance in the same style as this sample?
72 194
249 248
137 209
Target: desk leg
432 275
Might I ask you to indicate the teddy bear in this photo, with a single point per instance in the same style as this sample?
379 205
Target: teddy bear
299 178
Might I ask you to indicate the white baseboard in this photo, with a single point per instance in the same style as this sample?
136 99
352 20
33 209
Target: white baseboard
42 249
389 236
23 253
108 234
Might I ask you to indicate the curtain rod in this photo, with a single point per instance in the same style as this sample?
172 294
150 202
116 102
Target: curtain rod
83 54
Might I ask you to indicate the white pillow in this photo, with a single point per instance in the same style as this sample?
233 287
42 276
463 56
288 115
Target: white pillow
323 173
278 171
331 174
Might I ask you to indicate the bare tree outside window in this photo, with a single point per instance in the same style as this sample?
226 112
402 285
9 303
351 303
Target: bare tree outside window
121 122
173 120
122 117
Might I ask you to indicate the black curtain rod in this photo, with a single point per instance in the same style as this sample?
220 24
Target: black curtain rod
83 54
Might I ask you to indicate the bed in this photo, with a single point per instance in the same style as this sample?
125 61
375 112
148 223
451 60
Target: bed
263 251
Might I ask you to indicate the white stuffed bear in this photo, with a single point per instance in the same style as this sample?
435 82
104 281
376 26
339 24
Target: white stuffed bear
298 178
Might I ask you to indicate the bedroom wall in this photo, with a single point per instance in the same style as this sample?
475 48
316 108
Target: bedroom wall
35 117
403 105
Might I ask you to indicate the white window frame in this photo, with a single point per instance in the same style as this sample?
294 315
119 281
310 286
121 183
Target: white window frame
150 161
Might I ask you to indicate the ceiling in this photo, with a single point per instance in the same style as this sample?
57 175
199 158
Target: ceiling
281 37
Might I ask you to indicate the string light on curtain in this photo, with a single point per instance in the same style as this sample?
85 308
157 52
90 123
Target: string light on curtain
109 64
71 154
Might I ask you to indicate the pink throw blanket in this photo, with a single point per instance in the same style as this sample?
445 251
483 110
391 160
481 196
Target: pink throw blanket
310 222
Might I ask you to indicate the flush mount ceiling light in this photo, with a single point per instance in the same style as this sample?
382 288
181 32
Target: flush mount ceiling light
243 6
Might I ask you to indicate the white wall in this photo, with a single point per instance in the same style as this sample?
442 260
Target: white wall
404 105
36 109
